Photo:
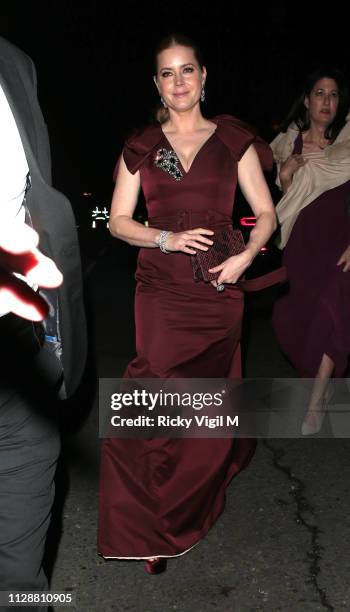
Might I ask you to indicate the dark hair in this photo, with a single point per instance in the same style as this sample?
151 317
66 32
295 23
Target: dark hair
161 114
299 113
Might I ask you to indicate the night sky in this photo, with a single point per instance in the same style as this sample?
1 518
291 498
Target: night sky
94 64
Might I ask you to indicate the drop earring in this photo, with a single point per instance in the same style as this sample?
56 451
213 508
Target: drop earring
202 94
163 102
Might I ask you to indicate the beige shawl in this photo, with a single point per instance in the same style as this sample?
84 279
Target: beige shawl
322 171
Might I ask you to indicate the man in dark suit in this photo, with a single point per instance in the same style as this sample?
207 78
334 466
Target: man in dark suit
39 361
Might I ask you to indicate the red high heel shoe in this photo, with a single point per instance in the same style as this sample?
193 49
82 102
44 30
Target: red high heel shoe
156 565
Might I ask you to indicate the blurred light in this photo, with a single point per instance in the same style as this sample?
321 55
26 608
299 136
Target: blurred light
247 221
87 193
99 215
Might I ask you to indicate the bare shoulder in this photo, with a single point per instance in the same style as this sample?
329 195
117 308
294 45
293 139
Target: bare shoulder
209 127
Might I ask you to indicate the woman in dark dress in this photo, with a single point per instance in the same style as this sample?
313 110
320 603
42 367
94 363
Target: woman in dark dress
159 497
313 156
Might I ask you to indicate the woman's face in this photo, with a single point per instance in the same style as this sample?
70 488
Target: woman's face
323 101
179 78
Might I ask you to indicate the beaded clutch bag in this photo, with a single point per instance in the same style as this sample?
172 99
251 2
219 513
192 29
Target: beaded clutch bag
226 242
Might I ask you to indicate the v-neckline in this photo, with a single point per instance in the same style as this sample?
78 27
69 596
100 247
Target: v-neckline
196 155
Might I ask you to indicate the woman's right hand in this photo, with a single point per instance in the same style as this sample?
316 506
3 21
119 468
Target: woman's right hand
189 241
288 169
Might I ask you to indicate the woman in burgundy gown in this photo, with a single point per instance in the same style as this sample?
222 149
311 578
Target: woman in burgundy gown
312 319
159 497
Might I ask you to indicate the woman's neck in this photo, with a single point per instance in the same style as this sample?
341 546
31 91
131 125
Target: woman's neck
186 122
315 135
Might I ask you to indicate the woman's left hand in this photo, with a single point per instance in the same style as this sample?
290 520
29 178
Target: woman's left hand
232 268
345 259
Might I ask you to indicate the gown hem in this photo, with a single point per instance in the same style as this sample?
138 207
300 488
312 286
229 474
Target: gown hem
155 555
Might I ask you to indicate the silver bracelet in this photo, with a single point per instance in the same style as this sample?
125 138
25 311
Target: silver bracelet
161 240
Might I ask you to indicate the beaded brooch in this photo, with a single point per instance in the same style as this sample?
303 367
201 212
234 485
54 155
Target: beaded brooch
168 161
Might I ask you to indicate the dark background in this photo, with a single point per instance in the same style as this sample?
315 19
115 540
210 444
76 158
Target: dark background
94 64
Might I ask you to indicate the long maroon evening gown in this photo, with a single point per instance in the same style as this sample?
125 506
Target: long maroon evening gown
312 318
159 497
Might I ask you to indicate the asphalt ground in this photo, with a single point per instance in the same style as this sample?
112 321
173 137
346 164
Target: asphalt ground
281 543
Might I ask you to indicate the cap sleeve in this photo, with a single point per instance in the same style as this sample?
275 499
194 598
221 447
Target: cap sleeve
238 136
138 147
